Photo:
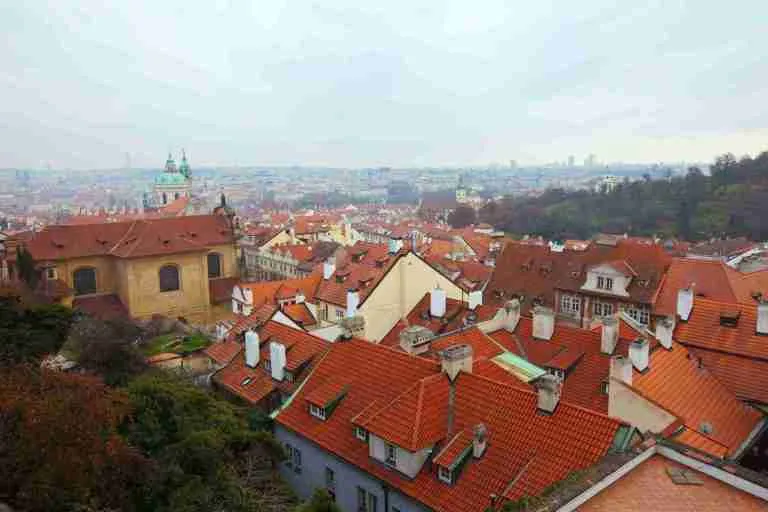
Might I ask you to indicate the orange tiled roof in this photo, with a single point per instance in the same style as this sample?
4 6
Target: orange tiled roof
363 276
270 291
550 446
453 449
258 317
224 351
300 314
711 279
746 377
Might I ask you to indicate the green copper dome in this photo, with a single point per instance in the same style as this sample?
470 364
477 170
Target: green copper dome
170 178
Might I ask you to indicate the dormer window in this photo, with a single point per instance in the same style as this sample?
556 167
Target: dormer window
390 454
445 474
50 273
604 283
289 376
317 412
361 434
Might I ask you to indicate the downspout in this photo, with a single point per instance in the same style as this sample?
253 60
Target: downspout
385 488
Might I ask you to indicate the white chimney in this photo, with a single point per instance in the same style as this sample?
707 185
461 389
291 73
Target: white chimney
251 348
548 387
394 245
621 369
353 300
762 318
610 335
684 303
479 440
300 298
475 299
664 329
437 299
456 358
511 314
277 359
329 267
543 322
638 354
248 296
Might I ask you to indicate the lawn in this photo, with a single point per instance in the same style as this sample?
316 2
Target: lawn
178 344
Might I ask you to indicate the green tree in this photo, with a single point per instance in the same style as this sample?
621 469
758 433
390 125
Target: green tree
26 267
320 501
28 334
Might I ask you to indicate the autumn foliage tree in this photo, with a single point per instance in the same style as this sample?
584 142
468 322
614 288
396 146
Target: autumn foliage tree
59 445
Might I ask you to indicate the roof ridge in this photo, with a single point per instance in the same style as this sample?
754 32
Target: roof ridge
419 404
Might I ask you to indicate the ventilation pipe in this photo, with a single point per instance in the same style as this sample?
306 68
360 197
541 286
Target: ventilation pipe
762 318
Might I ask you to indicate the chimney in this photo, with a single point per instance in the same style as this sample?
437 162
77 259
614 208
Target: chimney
610 335
353 300
479 440
664 329
638 354
251 348
762 318
548 387
415 339
455 359
621 369
543 322
300 298
248 296
475 299
684 303
437 302
511 314
329 267
394 245
277 358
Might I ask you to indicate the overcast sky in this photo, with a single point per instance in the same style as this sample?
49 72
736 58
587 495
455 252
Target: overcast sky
340 83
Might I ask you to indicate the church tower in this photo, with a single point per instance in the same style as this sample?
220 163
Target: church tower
173 183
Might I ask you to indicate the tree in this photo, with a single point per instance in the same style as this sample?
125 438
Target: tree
320 501
59 445
26 265
28 334
462 217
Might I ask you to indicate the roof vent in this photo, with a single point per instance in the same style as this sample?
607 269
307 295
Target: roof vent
706 428
729 318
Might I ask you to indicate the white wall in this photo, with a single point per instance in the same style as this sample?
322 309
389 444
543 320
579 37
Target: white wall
408 463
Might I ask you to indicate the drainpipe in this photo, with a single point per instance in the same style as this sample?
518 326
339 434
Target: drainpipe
385 488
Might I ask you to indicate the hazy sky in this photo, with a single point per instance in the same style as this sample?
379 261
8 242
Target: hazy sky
359 83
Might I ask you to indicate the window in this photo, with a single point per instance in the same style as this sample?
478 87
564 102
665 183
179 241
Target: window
570 304
444 474
288 455
603 308
214 265
640 314
84 280
557 372
390 454
339 314
296 460
317 412
361 433
366 502
604 387
50 273
268 365
289 376
169 278
165 198
330 479
605 283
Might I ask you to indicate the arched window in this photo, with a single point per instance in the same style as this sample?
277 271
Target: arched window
84 280
214 265
176 195
169 278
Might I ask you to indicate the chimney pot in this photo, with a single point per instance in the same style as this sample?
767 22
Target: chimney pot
456 358
543 323
548 387
665 327
437 299
685 303
638 354
762 318
251 348
609 335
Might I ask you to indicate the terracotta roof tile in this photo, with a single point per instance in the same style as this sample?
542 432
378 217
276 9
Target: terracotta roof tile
712 279
103 307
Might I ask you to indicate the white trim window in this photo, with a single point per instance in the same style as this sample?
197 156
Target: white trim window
361 433
570 304
317 412
639 313
390 454
604 283
603 308
445 474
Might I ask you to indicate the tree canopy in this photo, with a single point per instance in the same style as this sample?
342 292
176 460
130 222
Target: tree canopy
28 334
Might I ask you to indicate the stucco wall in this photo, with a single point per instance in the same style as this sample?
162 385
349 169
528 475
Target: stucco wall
399 292
406 462
626 405
105 272
348 477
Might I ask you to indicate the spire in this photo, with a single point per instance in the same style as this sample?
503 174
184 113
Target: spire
184 167
170 164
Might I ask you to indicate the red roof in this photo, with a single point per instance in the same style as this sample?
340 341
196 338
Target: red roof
711 279
133 239
103 307
550 446
300 314
450 454
258 317
220 289
269 292
223 352
363 276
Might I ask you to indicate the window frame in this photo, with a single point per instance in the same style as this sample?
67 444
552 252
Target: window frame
296 460
317 412
599 309
390 454
330 479
160 278
570 304
51 274
444 474
219 266
75 281
361 434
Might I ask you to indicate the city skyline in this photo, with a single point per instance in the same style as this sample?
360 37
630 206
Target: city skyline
83 85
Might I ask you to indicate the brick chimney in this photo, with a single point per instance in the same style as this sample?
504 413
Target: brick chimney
479 440
684 303
251 348
621 369
761 326
475 299
664 329
329 267
543 322
455 359
548 388
609 335
639 354
437 299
